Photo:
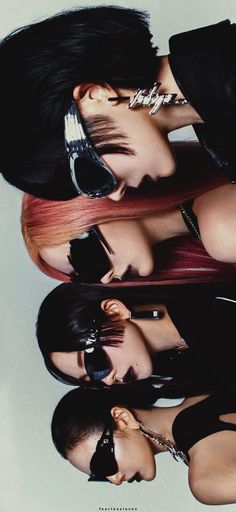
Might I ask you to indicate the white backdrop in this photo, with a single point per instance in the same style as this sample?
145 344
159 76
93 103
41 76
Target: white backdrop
33 476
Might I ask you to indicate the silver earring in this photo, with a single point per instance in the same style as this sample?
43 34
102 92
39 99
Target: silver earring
145 315
151 98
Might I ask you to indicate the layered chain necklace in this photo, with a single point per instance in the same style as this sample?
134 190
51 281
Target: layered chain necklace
166 443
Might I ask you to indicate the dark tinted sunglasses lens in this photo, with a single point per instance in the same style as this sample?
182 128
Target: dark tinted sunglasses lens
89 258
103 462
97 364
92 178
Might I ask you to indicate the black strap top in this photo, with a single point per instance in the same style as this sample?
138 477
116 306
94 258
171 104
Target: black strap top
202 419
207 325
190 218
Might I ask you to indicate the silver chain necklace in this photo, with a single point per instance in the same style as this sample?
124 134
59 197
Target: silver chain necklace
163 441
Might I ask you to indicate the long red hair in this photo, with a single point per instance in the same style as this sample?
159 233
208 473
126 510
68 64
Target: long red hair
48 223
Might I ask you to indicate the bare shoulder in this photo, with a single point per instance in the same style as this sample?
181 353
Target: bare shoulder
212 469
216 214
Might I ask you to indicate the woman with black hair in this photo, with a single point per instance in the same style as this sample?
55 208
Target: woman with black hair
116 436
77 72
118 335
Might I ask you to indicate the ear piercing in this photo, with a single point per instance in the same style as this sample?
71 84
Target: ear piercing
151 98
145 315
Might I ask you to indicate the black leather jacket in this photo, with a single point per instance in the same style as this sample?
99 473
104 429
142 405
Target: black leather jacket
203 63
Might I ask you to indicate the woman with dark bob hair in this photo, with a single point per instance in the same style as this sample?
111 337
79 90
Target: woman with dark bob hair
77 72
115 437
115 335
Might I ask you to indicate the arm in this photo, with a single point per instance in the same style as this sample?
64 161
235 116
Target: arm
216 214
212 470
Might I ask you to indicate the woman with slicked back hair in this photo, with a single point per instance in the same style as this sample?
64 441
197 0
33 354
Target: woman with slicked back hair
117 437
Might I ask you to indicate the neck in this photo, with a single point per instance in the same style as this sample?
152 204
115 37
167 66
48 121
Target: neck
159 334
160 419
175 116
163 225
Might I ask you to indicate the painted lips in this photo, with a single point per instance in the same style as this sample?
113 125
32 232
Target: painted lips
135 478
130 376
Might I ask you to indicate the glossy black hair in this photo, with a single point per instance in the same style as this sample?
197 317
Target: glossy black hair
83 412
71 310
40 66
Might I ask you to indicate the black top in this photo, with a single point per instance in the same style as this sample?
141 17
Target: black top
203 63
207 325
202 419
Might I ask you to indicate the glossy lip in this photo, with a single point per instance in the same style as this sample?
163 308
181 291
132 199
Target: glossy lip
152 181
135 478
148 182
130 376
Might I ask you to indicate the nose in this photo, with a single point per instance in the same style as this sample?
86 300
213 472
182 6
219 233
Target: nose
112 275
117 479
111 378
107 278
119 192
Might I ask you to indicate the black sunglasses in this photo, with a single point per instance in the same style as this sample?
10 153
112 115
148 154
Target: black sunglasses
103 462
96 361
88 257
90 175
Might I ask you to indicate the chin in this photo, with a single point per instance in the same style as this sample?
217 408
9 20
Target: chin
146 374
145 272
168 171
150 476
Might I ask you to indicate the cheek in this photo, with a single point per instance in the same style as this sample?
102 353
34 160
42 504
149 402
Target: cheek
119 356
57 257
140 252
121 165
138 249
132 352
156 157
133 454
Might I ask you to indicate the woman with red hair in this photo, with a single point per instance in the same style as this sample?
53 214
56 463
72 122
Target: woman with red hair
89 237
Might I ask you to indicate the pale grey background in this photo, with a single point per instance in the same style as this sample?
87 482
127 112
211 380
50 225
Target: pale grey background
33 476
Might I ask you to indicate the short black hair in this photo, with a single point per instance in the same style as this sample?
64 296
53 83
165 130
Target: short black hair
65 319
41 64
67 315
